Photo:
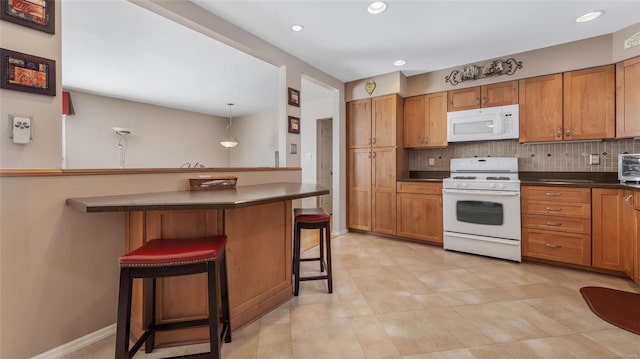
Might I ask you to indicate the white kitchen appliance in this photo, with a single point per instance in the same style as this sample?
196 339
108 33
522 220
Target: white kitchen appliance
481 207
491 123
629 167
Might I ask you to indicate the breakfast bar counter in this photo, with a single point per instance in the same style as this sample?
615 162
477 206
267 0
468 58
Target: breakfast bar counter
257 221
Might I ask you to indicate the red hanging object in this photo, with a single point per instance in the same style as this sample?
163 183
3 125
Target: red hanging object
67 105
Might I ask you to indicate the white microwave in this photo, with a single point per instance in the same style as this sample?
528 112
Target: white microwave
491 123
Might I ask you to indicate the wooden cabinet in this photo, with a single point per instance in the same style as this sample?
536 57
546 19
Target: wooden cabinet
500 94
628 98
425 121
541 108
607 251
581 109
420 211
629 234
555 224
374 129
589 105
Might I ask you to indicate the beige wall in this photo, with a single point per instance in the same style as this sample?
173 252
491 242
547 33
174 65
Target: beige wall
45 149
393 82
618 51
58 266
571 56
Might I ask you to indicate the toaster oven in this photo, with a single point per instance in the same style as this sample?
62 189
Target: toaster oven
629 167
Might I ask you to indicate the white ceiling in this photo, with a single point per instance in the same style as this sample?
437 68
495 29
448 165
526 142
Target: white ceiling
147 58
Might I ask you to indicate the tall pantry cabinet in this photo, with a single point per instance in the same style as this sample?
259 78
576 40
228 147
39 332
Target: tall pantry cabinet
375 160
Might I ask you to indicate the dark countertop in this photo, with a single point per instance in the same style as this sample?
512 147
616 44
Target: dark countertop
241 196
554 179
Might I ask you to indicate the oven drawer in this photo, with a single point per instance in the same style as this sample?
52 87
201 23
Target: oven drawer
555 246
421 188
556 194
554 223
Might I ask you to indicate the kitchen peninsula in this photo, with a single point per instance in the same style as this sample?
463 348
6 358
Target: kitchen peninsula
257 221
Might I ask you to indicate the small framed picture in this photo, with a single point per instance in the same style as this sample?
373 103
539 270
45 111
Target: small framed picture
294 124
294 97
28 73
39 15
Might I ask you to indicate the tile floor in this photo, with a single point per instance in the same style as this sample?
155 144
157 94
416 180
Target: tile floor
396 299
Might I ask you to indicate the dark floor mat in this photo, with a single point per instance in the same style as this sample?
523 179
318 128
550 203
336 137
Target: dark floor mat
617 307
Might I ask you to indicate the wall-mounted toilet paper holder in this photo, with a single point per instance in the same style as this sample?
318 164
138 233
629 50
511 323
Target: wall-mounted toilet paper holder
21 128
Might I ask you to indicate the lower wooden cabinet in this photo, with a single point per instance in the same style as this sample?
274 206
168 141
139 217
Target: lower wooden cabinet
573 248
629 234
607 237
419 211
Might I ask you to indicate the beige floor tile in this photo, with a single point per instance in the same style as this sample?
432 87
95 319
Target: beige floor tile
394 299
373 339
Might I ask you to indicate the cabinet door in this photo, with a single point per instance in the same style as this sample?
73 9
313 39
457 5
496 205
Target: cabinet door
420 216
414 121
359 123
436 117
383 199
628 98
500 94
540 100
607 246
359 182
629 233
383 129
463 99
589 110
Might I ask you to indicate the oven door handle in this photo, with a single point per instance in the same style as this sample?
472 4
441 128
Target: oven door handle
482 193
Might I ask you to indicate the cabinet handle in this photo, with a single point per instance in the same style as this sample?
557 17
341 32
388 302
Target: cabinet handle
628 198
558 132
554 224
374 155
568 133
369 154
555 209
369 141
484 101
477 101
553 245
426 140
553 194
374 140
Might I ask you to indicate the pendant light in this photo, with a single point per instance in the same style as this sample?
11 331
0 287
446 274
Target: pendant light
229 141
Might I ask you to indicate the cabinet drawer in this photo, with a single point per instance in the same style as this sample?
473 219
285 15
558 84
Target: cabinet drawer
581 210
555 223
556 246
556 194
423 188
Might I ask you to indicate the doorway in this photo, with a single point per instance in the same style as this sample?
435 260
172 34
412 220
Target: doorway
324 163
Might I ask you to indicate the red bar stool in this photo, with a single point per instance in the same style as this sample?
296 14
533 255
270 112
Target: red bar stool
167 258
312 218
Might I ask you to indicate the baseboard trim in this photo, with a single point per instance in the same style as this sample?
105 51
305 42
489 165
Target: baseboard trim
75 345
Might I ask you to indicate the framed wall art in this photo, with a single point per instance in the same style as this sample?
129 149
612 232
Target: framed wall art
36 14
27 73
294 124
294 97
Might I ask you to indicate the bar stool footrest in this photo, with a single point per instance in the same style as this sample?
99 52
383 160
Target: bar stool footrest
314 277
309 259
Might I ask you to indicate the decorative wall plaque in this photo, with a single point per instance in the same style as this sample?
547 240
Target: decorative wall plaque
493 68
370 86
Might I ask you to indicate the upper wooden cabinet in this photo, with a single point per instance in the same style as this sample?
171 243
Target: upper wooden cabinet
540 102
425 120
589 110
500 94
628 98
373 122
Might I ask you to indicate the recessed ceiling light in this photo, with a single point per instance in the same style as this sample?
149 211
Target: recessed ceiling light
297 27
377 7
589 16
399 62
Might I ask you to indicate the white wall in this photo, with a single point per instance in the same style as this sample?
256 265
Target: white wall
258 140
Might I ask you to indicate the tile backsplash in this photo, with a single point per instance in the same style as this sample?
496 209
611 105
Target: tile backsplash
552 157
